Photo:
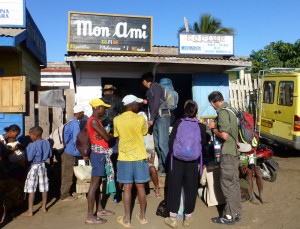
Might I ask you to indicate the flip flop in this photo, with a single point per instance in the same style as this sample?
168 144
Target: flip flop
142 221
95 220
105 212
120 220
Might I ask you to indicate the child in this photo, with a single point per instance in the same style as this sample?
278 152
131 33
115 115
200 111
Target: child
37 153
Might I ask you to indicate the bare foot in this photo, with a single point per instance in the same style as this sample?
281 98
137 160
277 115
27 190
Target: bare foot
27 214
254 202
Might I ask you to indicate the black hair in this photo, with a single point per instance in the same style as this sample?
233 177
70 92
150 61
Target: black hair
215 96
13 127
190 109
37 130
147 76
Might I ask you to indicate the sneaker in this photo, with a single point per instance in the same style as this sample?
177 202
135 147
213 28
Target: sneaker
223 220
187 222
172 222
238 217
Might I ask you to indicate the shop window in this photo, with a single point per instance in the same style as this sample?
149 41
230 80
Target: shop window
269 88
286 93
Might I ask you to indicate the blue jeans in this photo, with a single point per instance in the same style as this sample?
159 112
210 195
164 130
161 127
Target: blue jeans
161 140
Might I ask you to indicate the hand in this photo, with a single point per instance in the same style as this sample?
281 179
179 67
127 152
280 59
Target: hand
145 101
98 137
211 124
150 123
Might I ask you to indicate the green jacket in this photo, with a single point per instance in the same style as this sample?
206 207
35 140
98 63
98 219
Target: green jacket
227 122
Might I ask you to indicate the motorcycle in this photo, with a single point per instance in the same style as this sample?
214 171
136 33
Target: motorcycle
266 163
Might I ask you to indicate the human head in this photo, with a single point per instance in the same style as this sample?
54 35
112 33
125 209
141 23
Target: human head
109 89
35 132
131 102
78 111
190 109
147 79
12 131
98 107
216 99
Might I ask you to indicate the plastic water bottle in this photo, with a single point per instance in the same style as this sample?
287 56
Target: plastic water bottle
107 128
217 149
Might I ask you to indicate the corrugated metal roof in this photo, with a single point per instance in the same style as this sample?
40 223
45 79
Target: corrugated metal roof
10 32
160 54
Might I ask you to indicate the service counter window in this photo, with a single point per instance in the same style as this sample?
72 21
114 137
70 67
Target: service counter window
286 93
268 93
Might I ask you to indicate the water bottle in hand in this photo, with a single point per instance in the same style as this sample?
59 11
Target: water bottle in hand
107 128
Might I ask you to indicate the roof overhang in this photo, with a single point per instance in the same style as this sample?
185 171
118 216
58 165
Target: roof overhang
11 37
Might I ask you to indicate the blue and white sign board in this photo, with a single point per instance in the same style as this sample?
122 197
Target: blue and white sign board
12 13
205 44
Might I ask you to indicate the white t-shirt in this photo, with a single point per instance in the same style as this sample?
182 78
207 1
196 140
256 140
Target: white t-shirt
2 139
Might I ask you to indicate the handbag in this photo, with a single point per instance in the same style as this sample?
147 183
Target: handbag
162 209
83 172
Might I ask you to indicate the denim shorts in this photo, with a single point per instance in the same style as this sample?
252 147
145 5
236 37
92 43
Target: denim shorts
133 172
98 164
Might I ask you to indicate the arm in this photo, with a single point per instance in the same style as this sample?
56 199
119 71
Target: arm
100 130
154 100
203 134
223 126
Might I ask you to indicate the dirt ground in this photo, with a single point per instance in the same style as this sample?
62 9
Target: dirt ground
281 210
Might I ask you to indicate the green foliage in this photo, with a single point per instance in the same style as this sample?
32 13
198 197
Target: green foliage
277 54
207 24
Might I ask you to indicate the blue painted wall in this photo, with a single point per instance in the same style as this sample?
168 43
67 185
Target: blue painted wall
9 119
203 85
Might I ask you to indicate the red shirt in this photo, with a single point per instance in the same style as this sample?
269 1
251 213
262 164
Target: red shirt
93 133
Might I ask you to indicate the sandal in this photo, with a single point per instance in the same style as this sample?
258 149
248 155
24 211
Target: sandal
157 194
120 220
142 221
95 220
105 212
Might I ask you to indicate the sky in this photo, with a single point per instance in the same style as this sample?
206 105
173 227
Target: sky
257 23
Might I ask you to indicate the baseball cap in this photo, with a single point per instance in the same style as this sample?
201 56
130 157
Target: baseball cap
109 87
98 102
131 99
78 108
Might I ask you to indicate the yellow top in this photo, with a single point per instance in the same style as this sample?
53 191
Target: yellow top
131 128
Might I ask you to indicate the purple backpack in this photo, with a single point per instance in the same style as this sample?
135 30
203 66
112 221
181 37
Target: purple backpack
187 143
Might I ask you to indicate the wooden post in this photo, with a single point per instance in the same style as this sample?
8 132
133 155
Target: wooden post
30 119
70 102
44 119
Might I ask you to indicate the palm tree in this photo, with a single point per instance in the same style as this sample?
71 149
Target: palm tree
208 24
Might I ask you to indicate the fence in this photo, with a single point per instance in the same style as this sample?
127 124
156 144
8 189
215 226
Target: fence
243 92
48 118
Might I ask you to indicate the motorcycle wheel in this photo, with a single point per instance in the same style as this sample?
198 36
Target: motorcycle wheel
273 175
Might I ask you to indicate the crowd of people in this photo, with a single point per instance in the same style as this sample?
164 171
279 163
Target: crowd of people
127 148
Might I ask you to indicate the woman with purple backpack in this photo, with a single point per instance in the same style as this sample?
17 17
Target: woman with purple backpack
187 138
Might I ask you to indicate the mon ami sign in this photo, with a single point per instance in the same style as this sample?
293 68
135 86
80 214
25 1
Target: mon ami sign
206 44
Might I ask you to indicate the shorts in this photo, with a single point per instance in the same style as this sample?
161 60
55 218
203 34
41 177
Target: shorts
98 161
37 174
133 171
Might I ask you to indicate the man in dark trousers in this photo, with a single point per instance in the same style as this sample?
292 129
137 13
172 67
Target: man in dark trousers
159 118
226 129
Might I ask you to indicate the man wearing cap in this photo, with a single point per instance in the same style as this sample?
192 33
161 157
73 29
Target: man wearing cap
99 149
133 166
70 132
115 102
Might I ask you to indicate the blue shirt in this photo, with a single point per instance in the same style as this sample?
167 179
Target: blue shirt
71 130
38 151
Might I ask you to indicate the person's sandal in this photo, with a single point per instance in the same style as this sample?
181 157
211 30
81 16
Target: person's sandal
187 222
223 220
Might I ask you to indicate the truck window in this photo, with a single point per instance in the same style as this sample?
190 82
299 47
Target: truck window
269 88
286 92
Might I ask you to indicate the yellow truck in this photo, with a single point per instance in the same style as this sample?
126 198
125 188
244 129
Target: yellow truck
279 106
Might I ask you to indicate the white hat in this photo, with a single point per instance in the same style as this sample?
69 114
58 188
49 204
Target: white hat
78 108
131 99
